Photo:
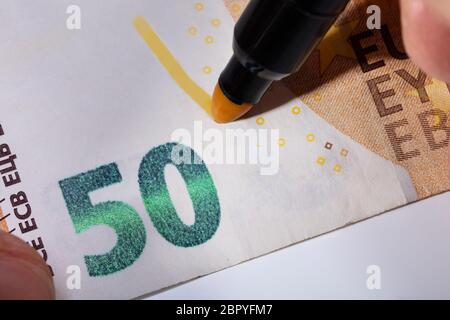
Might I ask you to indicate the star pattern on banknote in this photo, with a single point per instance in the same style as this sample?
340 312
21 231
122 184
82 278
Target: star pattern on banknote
335 43
439 95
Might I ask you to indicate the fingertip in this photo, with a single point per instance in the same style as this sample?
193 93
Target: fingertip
425 33
23 273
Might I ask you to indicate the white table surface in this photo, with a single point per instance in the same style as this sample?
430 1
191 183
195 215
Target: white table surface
411 245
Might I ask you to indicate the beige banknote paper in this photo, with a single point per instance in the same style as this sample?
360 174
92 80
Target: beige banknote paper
87 122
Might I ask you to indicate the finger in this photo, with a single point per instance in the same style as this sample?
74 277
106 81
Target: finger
23 273
426 30
441 7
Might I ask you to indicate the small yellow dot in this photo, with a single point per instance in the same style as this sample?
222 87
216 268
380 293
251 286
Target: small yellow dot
193 31
207 69
310 137
321 161
216 22
296 110
199 6
318 97
281 142
337 168
436 121
209 40
235 8
260 121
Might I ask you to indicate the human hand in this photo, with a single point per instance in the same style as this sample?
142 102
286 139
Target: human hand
23 273
426 33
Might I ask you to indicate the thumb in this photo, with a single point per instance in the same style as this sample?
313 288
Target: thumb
23 273
426 30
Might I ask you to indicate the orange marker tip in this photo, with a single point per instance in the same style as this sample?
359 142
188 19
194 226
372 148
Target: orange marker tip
225 111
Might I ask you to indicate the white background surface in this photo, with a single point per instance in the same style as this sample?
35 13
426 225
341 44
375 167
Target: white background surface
411 245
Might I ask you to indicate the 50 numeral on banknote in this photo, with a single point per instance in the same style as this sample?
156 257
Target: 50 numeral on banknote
126 222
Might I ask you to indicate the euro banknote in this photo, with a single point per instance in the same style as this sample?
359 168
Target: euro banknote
113 170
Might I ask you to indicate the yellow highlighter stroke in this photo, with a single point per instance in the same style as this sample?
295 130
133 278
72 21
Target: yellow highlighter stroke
173 67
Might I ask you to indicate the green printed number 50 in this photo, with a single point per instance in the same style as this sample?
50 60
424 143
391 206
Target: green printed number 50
127 224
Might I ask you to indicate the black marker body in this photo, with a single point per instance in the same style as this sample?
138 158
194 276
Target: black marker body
272 39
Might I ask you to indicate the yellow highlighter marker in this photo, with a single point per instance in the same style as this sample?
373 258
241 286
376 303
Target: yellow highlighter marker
272 40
